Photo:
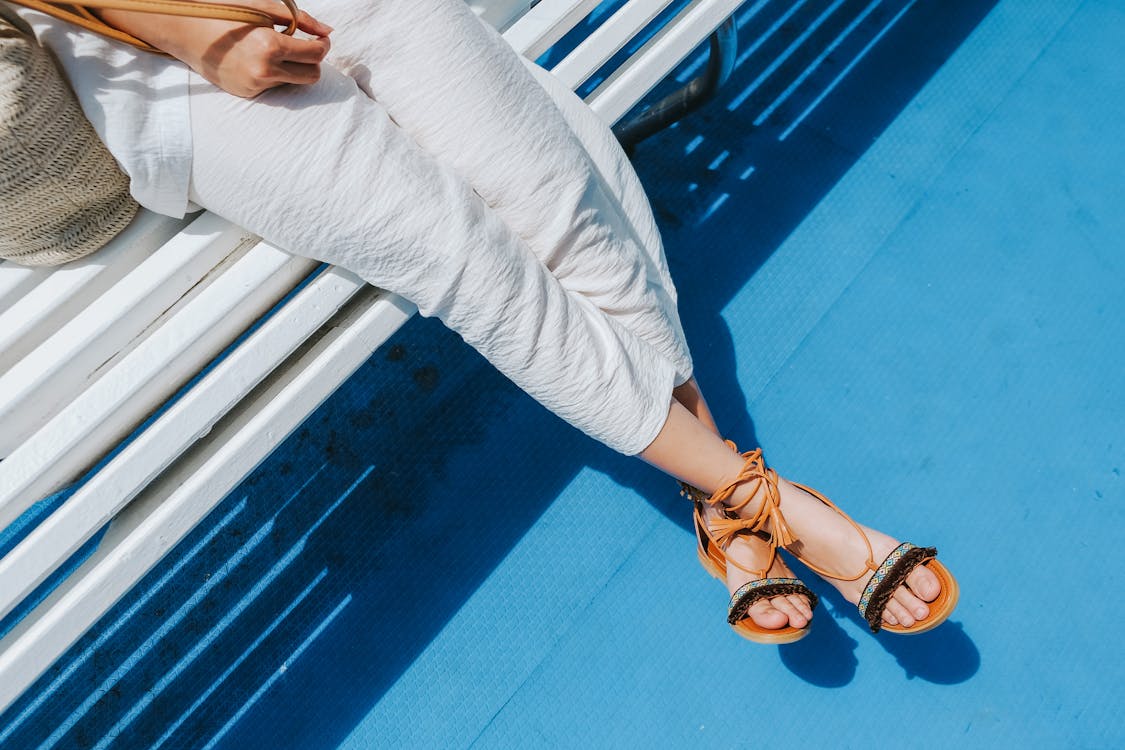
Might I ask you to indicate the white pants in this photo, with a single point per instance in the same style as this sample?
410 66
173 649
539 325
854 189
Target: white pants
434 162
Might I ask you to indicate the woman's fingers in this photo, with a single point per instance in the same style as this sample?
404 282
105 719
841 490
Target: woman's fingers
309 51
289 72
245 61
310 25
295 60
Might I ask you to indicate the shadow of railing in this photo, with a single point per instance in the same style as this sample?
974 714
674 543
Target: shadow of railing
293 608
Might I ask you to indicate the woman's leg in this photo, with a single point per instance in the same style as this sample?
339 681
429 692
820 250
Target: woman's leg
822 528
613 167
322 170
749 552
461 92
691 398
625 188
552 171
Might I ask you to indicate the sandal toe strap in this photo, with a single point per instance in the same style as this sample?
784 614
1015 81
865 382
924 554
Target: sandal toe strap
889 576
765 588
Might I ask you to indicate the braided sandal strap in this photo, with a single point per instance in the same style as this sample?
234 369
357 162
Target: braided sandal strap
765 588
889 576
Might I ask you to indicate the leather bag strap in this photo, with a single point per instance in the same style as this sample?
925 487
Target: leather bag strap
79 14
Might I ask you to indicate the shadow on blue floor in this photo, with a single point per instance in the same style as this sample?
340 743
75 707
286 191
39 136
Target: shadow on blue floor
357 541
826 657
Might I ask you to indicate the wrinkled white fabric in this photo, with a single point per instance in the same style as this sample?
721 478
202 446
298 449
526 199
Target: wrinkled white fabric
430 162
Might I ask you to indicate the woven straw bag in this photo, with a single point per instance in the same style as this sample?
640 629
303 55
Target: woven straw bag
62 195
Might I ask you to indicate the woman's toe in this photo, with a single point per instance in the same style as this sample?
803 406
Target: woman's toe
900 614
792 614
801 604
912 604
766 615
924 583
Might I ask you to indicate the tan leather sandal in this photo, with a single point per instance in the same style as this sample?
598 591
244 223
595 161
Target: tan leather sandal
888 575
714 537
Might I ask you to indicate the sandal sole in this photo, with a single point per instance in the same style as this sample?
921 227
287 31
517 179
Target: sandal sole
770 637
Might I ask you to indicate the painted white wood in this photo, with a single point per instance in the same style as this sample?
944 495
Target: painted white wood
644 69
16 281
114 405
170 507
65 292
547 23
193 415
167 480
37 387
607 40
500 13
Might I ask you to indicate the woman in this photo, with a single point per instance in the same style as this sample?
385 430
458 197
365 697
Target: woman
418 150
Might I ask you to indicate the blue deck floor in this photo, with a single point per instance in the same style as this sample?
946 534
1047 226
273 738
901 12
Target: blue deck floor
906 281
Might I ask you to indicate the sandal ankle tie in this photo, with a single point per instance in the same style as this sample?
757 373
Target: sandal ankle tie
768 518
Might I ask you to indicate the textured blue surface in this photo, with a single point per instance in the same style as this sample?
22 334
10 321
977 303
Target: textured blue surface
914 299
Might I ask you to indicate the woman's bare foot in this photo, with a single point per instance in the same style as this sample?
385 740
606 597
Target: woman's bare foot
828 541
750 552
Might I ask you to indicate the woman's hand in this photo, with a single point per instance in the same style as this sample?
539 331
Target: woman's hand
246 60
241 59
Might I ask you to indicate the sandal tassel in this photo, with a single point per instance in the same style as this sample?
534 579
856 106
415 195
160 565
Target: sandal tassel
724 530
770 513
783 535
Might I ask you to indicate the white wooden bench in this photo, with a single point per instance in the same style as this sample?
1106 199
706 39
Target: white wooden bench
176 359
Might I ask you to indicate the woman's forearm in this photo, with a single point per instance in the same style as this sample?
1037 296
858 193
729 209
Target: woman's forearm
170 34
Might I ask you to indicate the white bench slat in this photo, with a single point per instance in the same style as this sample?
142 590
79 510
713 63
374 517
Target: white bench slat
36 388
607 40
16 281
546 24
500 13
66 291
99 500
648 66
170 507
110 408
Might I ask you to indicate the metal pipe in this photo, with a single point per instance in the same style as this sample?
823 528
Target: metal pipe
690 97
